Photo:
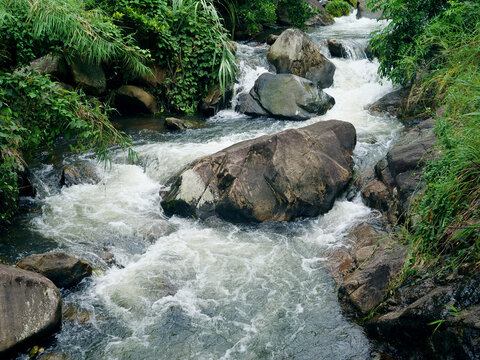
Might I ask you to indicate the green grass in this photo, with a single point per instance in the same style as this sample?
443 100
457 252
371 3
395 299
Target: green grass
337 8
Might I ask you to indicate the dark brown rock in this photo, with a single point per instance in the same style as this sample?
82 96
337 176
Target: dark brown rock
294 53
393 103
30 308
131 99
271 39
363 290
295 173
90 77
64 270
215 100
78 174
336 49
172 123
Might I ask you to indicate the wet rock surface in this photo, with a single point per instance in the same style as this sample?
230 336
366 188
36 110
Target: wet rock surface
293 53
285 96
398 176
30 308
268 178
63 270
77 174
215 100
172 123
393 103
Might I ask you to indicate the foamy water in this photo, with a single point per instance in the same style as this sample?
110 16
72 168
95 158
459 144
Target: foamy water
188 289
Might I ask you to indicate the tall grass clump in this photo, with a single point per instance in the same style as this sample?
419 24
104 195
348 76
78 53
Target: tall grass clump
443 62
337 8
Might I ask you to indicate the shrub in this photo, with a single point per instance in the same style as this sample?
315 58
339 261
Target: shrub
187 38
338 8
34 111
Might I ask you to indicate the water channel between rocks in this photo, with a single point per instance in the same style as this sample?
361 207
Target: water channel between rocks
187 289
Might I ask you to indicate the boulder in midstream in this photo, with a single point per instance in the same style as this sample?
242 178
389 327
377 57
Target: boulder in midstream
291 174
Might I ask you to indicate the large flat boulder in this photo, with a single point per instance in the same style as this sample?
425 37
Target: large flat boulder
294 53
30 307
285 96
291 174
62 269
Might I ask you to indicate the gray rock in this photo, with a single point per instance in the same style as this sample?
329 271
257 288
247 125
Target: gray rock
77 174
131 99
364 12
295 173
30 307
336 49
294 53
398 176
215 100
63 270
48 64
89 77
285 96
393 103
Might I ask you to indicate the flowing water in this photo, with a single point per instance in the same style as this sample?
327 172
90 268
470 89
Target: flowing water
187 289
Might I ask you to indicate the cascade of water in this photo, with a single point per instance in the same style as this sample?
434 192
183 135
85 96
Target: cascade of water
188 289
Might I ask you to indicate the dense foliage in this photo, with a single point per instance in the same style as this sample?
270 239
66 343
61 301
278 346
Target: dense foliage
255 13
186 38
436 45
33 112
338 8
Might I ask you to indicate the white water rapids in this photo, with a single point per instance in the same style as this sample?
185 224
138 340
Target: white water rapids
187 289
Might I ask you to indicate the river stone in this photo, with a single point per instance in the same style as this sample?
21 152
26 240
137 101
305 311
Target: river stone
393 103
294 53
291 174
362 11
336 48
364 289
155 79
131 99
64 270
215 100
89 77
172 123
51 65
30 307
285 96
77 174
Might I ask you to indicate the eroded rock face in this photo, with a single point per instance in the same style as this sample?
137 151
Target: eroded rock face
90 77
63 270
294 53
215 100
295 173
393 103
364 12
364 289
30 307
131 99
398 176
285 96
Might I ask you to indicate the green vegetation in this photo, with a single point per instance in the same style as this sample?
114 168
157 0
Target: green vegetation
255 13
185 37
338 8
436 46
